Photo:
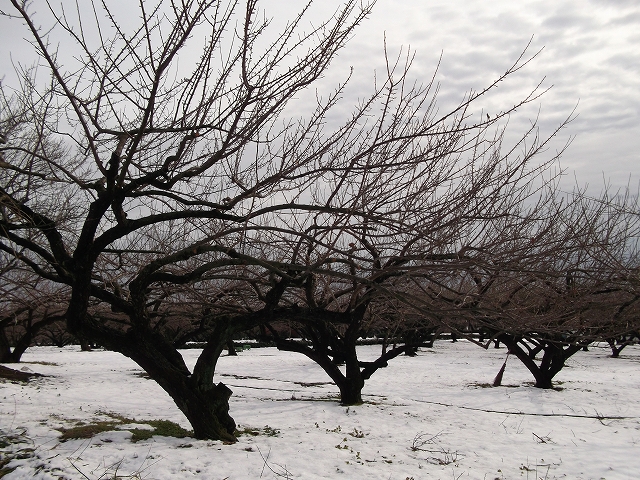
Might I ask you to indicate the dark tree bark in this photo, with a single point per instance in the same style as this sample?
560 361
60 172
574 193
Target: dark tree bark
205 404
325 345
231 349
29 327
618 344
555 354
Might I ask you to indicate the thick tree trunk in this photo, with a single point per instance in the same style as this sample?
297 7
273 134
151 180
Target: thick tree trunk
16 355
13 354
411 351
543 380
206 410
206 405
351 391
553 358
350 384
7 356
542 376
615 348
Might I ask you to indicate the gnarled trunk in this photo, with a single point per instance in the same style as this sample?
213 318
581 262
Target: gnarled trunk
204 403
350 383
206 409
13 353
6 352
553 358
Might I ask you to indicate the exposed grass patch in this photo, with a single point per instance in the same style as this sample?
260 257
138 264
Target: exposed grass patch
86 431
254 432
10 443
12 375
490 385
163 428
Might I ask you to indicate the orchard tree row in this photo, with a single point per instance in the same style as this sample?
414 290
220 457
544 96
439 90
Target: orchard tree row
162 181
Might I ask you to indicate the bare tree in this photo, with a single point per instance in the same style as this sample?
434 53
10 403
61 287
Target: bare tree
549 285
126 144
143 185
458 212
29 305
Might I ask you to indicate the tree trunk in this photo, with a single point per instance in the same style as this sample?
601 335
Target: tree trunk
16 354
13 355
5 348
351 388
206 410
6 356
543 380
9 354
351 391
553 358
615 348
232 349
204 403
350 385
411 351
541 375
205 406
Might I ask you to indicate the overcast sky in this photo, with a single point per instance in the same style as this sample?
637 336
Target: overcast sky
591 56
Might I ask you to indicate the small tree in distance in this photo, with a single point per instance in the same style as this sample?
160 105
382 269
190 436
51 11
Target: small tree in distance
549 287
29 306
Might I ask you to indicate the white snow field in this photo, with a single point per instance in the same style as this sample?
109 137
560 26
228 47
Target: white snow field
427 417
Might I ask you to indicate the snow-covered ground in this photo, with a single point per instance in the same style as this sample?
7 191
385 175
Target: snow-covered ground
431 416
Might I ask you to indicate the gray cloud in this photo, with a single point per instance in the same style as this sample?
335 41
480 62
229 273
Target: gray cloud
590 57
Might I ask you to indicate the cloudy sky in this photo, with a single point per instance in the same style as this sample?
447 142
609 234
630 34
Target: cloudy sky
590 56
